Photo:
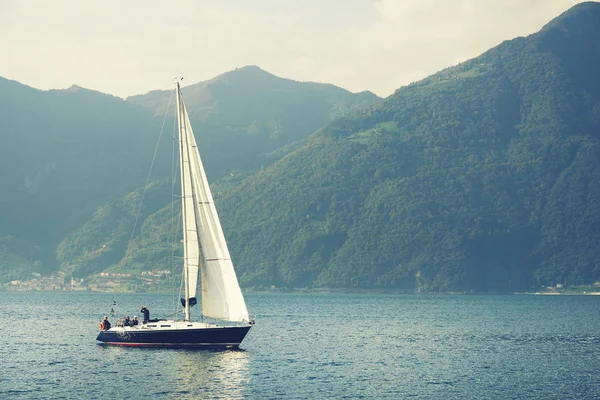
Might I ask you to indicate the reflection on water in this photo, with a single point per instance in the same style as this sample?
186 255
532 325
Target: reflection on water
212 373
180 373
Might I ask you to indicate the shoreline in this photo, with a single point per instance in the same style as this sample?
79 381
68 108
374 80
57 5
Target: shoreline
365 291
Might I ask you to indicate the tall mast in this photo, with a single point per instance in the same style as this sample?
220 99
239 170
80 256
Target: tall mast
181 135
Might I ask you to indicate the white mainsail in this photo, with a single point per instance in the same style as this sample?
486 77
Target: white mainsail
205 247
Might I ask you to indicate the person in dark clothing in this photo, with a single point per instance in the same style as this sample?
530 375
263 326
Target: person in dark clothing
106 323
127 321
146 315
134 321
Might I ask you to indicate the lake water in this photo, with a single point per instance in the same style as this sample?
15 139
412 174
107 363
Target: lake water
313 346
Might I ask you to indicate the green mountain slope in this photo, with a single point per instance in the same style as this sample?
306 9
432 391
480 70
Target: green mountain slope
62 153
485 176
72 161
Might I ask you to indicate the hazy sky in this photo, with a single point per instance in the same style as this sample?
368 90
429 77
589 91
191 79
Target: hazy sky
127 47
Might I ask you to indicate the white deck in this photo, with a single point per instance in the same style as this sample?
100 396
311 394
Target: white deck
166 325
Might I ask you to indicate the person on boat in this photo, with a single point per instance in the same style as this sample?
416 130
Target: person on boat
127 321
105 323
146 315
134 321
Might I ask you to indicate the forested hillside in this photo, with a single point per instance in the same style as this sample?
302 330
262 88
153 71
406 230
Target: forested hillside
62 153
485 176
73 162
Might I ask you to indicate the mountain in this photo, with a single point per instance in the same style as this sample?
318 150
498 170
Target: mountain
250 94
484 177
62 152
249 112
72 161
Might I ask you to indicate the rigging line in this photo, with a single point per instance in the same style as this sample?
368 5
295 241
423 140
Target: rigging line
177 304
175 167
139 211
183 137
173 172
137 217
176 262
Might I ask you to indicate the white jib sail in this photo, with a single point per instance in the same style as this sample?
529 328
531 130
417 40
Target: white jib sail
221 294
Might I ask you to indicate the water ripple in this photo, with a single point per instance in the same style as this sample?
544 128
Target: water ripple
314 346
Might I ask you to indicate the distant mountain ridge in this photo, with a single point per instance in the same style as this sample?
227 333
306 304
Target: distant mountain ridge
54 168
254 87
249 110
73 159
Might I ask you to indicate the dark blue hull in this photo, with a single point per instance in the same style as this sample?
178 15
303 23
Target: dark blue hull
217 337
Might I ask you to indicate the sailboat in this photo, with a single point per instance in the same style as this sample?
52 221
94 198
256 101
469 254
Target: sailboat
205 253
